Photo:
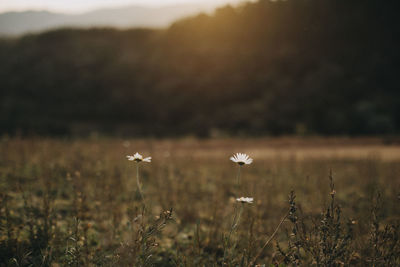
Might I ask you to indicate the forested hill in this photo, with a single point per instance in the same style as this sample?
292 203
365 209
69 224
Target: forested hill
282 67
18 23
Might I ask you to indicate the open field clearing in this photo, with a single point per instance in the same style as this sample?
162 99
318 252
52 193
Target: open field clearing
261 133
287 148
76 202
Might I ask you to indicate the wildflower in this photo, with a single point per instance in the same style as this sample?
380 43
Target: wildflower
241 159
138 158
245 200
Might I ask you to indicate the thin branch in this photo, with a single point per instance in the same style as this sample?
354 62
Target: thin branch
269 239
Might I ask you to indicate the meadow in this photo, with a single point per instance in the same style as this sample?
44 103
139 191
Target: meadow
317 202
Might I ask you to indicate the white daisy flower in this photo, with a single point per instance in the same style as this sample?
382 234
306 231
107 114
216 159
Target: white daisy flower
241 159
245 200
138 158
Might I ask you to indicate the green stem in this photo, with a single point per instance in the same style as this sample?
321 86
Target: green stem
238 176
234 226
138 182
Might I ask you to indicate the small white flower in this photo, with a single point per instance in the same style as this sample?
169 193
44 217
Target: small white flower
245 200
138 158
241 159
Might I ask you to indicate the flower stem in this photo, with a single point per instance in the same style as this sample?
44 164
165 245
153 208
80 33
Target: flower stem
238 176
138 182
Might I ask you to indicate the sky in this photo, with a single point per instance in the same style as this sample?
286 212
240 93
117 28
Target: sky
79 6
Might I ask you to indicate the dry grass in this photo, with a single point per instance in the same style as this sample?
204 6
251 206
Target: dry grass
75 202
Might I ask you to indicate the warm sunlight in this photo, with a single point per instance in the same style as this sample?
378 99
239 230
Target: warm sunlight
199 133
81 6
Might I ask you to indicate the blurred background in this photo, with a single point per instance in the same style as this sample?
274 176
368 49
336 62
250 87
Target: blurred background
209 68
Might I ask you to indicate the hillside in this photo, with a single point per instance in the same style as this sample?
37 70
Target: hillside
16 23
285 67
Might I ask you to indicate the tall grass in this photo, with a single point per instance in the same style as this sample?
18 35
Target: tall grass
76 203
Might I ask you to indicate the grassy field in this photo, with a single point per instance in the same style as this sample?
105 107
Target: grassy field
76 203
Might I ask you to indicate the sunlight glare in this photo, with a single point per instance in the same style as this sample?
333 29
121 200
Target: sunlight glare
77 6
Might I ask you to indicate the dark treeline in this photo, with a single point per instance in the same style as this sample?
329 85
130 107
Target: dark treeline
283 67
